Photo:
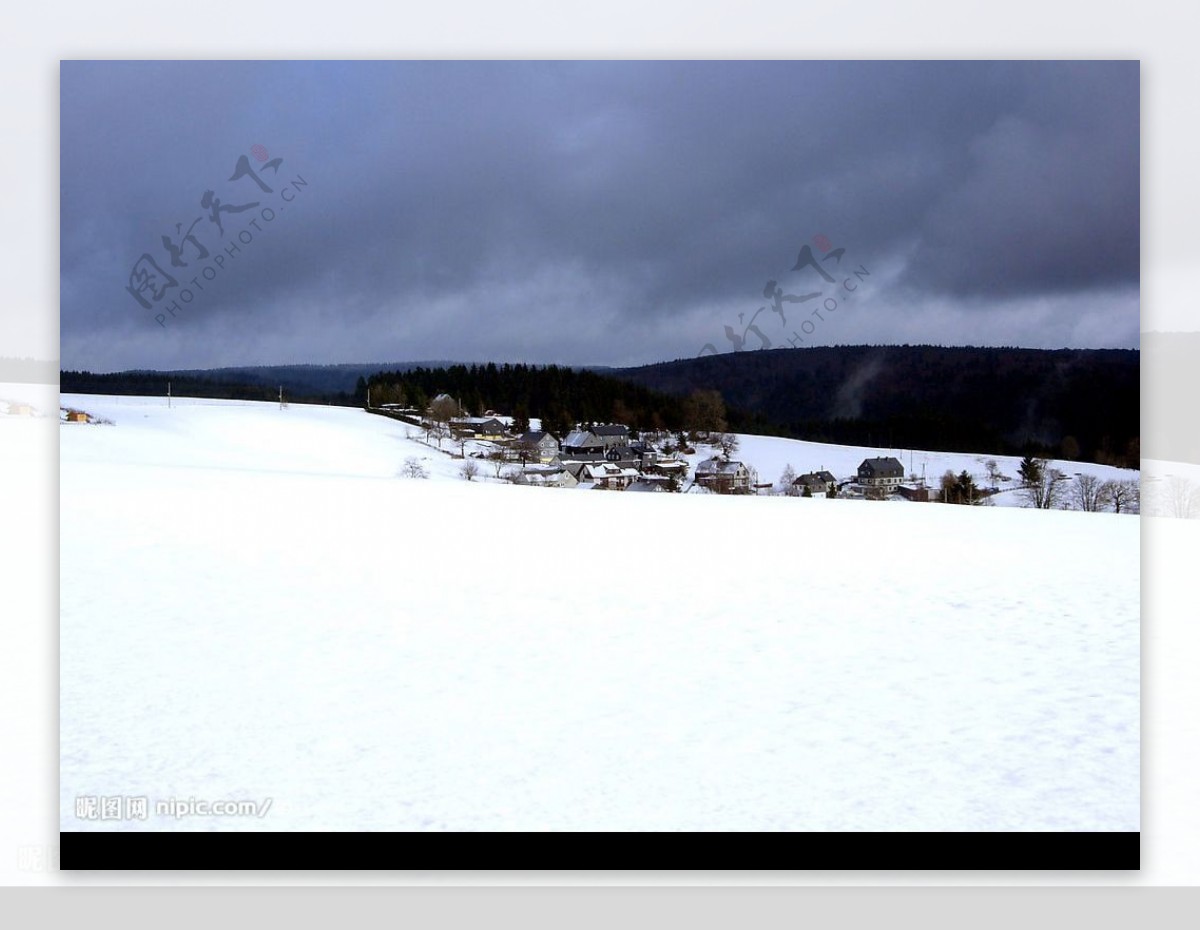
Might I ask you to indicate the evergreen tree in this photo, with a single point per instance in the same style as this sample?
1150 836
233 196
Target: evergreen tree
1030 471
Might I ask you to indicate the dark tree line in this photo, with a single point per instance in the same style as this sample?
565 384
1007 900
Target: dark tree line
560 396
154 384
1064 404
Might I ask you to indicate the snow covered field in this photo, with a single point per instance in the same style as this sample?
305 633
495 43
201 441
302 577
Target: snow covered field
254 605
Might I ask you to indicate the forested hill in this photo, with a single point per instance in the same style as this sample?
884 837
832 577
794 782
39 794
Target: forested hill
1069 403
559 396
1076 402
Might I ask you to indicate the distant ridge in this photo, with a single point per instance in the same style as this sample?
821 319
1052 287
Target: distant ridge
1083 403
1068 403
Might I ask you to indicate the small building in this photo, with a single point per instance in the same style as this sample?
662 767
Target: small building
17 408
669 467
723 476
913 492
881 473
77 416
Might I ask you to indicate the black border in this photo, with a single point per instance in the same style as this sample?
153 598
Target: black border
102 850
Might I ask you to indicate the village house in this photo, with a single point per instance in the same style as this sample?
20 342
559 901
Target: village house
547 476
538 446
611 434
723 476
608 477
649 484
881 474
816 482
477 428
581 446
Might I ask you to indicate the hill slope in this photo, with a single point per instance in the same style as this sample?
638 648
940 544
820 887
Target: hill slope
252 607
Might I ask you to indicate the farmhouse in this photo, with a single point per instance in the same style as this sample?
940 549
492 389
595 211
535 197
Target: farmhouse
880 473
817 482
477 428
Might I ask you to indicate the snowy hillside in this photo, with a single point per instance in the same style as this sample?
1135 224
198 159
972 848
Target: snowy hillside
254 605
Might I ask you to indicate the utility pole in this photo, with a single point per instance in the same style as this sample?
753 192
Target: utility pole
168 395
281 397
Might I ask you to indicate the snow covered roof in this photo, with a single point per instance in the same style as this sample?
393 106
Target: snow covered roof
716 466
577 437
648 483
605 470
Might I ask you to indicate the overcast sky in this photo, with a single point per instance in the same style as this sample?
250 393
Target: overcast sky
591 212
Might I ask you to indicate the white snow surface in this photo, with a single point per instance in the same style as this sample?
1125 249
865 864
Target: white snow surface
254 605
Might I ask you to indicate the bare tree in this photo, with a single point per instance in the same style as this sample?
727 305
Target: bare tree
413 468
728 444
1044 486
443 409
469 469
993 473
787 482
1088 494
1123 496
434 432
1179 498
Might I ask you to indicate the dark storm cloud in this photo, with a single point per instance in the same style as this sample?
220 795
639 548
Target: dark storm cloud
596 212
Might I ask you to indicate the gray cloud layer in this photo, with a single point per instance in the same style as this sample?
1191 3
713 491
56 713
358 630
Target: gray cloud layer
602 213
